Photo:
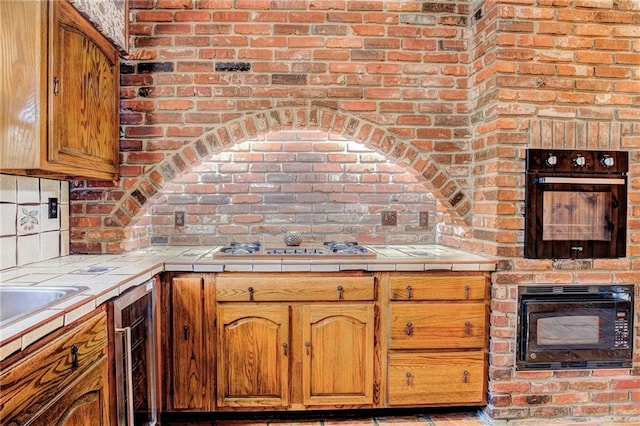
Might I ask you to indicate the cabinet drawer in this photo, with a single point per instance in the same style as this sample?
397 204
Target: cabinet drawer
259 288
36 380
444 378
440 287
426 325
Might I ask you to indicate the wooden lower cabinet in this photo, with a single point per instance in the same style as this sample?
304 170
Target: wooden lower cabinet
63 382
337 363
256 355
314 341
253 355
188 333
447 378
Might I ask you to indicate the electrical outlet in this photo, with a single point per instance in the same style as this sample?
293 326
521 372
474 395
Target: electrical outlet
389 218
178 218
423 220
52 208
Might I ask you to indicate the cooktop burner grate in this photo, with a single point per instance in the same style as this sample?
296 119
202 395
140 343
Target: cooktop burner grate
338 248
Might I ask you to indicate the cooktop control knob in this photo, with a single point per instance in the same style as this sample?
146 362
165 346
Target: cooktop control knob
607 161
552 160
579 161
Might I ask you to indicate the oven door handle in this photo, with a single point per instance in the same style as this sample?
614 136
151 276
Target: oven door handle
129 381
581 181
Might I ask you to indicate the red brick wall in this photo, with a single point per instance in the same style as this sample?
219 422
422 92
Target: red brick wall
451 93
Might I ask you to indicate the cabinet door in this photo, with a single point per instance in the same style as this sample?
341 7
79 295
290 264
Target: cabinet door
253 355
190 345
83 122
337 363
85 403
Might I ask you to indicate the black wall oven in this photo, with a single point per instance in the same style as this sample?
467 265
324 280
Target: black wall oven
576 204
569 327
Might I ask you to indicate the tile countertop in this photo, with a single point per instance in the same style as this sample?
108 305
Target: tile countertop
107 276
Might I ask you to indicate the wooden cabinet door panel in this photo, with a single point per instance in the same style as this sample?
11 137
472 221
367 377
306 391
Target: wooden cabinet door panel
450 378
85 403
426 325
338 354
187 344
84 100
440 287
253 355
34 382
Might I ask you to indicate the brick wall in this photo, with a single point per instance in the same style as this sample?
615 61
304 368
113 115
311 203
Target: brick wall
452 92
327 188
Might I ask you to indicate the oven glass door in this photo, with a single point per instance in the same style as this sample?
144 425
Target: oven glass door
571 219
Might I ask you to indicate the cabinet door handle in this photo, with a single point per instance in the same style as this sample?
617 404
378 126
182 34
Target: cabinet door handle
465 376
185 331
467 328
285 349
340 290
74 357
250 290
409 288
308 347
129 370
467 292
408 375
409 328
56 86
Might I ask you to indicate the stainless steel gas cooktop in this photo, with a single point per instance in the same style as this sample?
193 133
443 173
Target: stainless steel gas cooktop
333 248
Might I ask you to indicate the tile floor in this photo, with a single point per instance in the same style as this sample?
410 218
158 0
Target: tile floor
457 419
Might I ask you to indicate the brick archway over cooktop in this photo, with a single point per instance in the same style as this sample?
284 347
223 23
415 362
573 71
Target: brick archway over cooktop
115 226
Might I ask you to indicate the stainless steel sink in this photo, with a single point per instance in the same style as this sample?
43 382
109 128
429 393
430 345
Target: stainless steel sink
17 302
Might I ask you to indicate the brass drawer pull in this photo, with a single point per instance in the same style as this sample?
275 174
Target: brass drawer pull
340 290
465 376
308 347
185 332
409 328
408 375
467 328
285 348
409 288
467 292
250 290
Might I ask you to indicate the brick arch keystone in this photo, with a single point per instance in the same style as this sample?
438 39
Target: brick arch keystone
130 203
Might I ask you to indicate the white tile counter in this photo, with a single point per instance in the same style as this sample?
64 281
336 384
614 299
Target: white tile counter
107 276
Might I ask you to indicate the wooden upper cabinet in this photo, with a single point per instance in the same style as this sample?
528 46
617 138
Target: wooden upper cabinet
59 93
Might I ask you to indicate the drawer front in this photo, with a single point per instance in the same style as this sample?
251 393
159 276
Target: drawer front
426 325
444 378
259 288
39 378
440 287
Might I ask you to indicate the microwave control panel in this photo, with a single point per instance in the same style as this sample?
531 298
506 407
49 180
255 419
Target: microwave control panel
621 328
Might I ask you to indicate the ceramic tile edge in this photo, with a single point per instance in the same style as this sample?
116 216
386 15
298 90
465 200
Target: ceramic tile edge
9 348
39 332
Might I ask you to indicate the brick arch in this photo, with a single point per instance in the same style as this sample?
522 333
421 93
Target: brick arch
120 229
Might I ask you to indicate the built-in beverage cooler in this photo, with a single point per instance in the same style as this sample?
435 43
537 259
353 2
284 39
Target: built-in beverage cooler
134 355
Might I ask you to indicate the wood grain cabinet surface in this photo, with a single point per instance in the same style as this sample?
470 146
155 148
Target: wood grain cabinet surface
317 341
64 382
60 93
438 338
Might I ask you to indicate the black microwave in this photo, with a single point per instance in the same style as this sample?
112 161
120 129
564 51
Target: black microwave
573 327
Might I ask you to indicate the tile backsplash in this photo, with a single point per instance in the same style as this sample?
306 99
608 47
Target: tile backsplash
27 234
